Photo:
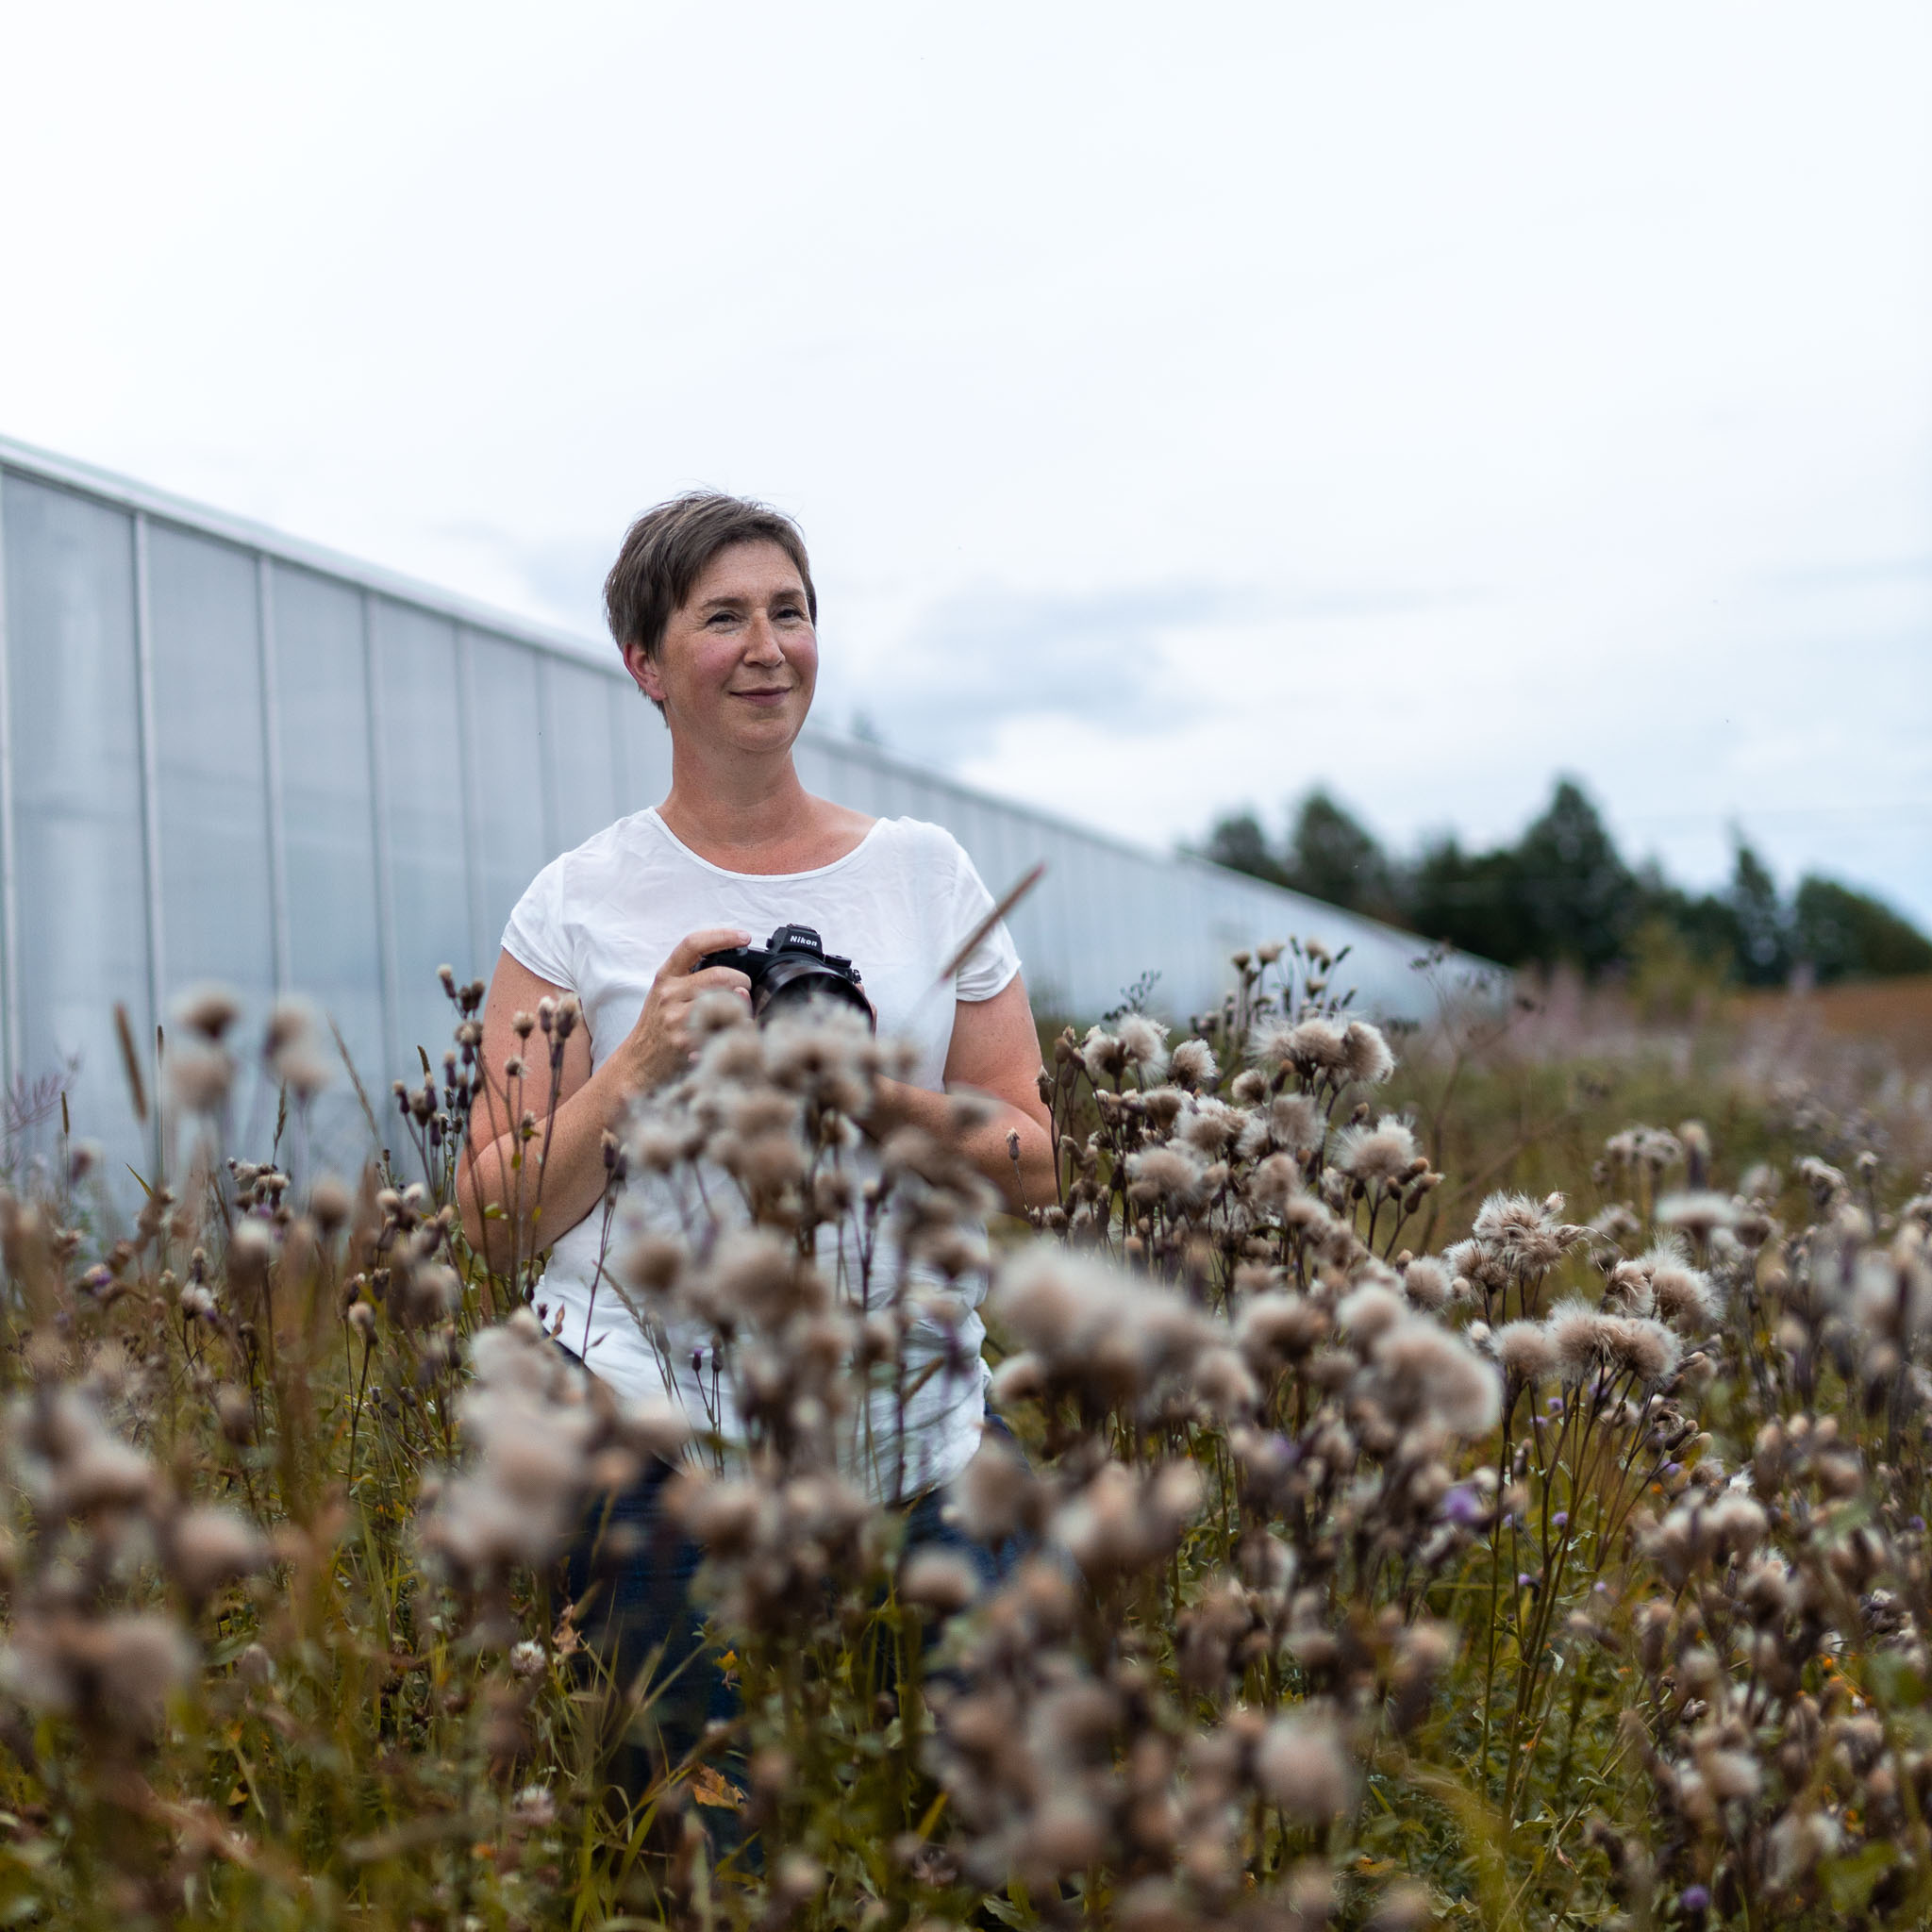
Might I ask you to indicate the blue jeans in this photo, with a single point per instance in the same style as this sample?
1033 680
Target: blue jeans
631 1568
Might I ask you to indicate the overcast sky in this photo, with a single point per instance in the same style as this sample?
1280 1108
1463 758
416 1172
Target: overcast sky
1184 403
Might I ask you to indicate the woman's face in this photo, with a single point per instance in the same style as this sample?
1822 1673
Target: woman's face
740 659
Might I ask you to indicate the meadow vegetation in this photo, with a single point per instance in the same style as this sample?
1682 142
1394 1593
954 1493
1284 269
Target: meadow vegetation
1473 1477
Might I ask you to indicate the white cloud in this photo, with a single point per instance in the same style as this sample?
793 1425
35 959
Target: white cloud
1580 356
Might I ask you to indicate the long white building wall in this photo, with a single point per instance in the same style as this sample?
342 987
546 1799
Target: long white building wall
228 755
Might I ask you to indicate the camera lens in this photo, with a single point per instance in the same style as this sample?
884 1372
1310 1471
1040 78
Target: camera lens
794 980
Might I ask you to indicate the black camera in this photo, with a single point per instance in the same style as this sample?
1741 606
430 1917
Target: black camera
790 971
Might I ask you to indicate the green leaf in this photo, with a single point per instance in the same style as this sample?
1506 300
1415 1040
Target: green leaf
1848 1882
1006 1912
1896 1678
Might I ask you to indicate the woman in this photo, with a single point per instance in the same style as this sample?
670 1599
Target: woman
711 602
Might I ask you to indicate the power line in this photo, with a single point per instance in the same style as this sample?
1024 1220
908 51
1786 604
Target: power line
1798 815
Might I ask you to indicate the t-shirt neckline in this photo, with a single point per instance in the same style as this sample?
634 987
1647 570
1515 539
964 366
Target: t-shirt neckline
817 871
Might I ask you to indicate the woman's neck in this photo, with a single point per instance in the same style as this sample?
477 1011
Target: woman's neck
753 815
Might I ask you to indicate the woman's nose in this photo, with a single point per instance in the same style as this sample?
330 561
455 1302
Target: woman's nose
763 646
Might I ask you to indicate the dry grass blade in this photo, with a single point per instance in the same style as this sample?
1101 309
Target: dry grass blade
1014 894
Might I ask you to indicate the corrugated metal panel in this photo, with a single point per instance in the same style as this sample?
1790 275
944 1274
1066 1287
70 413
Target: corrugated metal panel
423 767
511 839
73 761
814 766
212 761
849 779
334 910
648 744
586 786
494 742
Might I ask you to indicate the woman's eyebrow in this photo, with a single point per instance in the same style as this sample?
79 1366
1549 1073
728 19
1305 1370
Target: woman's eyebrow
737 600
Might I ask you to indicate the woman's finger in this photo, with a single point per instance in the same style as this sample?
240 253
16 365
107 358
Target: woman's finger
713 980
695 945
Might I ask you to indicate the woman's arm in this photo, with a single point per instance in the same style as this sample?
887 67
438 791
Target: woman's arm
996 1051
561 1176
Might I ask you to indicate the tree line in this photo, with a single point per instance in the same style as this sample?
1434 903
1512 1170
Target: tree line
1563 893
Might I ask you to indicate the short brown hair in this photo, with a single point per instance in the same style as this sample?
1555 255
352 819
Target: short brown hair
665 552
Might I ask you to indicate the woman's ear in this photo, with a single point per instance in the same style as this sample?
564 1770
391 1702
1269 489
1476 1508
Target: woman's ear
643 670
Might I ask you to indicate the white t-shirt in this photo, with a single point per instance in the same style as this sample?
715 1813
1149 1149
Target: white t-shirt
600 920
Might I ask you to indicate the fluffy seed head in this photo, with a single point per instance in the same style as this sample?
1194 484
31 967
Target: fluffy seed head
1279 1327
1577 1335
211 1546
1294 1124
525 1413
1522 1235
1526 1351
1192 1065
1422 1371
1103 1055
1301 1765
1277 1181
199 1074
1169 1176
995 1494
1143 1043
1088 1325
1316 1049
294 1049
1369 1312
1063 1835
1425 1282
1700 1214
941 1581
330 1202
1210 1127
1634 1346
209 1009
1379 1155
1366 1054
1731 1773
1222 1380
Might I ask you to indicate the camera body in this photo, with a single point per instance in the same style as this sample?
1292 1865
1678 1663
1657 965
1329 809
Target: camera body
791 969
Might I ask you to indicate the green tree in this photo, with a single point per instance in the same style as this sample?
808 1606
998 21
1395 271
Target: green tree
1473 901
1564 891
1332 856
1847 935
1706 923
1239 843
1764 938
1581 902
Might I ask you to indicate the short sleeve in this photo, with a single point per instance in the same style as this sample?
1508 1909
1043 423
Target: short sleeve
536 936
990 967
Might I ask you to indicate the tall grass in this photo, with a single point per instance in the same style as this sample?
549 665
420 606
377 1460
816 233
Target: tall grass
1459 1492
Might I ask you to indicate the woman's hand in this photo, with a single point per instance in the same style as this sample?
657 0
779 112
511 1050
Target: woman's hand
570 1177
659 1047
